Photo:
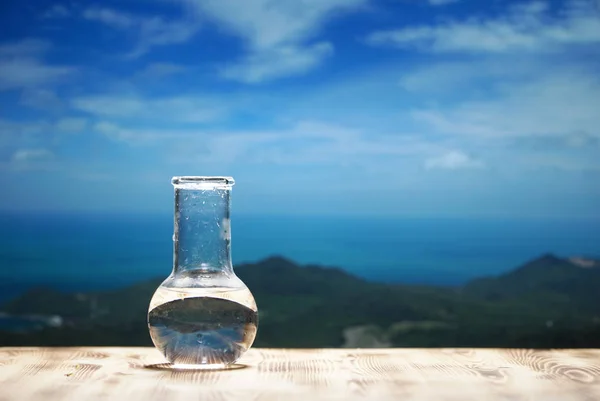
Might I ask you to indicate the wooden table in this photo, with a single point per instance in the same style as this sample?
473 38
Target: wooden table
129 374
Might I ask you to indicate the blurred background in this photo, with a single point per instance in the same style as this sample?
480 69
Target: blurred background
408 172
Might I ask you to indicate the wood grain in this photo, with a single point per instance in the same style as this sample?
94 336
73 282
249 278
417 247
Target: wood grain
132 374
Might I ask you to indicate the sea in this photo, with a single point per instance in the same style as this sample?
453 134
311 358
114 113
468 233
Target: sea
79 252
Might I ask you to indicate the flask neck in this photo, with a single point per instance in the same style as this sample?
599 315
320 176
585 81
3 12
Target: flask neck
202 236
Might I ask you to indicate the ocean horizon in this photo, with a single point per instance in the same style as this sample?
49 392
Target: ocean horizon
85 251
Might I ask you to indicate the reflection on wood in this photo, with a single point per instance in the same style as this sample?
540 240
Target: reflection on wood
267 374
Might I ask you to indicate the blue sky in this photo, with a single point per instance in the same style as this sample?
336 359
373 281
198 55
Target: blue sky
395 107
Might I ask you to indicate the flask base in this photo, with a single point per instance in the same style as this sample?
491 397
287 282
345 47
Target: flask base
213 366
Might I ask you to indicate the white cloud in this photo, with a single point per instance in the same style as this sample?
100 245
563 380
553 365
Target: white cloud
112 106
31 155
301 143
569 141
557 162
151 31
548 105
537 110
159 70
20 66
31 159
278 62
57 11
37 134
441 2
42 99
71 124
581 139
148 137
267 24
540 119
14 132
114 132
110 17
25 73
24 48
307 143
472 74
174 109
277 33
526 27
138 136
452 160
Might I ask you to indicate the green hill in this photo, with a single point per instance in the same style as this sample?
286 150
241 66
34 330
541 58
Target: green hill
548 302
547 282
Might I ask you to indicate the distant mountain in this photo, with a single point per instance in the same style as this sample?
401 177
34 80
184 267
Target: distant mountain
547 302
279 276
311 306
548 281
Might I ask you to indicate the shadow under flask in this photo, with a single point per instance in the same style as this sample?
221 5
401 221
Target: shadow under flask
202 315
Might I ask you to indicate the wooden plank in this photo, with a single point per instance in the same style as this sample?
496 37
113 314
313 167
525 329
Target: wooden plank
285 374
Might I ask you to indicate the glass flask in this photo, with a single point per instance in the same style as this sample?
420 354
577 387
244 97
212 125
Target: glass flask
202 315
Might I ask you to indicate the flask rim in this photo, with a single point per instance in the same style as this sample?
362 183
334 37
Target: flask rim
202 181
